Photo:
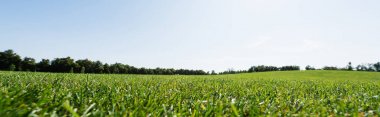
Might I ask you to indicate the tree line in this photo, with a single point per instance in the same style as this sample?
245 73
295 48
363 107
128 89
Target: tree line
370 67
375 67
263 68
9 60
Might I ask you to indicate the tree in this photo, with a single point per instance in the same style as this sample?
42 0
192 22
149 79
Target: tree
361 68
106 68
62 64
28 64
43 65
377 66
349 66
308 67
263 68
251 69
7 58
366 67
98 67
329 68
289 68
213 72
370 67
132 70
87 64
142 71
117 68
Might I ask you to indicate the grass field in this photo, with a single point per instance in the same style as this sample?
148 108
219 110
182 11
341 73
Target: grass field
293 93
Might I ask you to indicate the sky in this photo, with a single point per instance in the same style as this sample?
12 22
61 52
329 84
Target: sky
195 34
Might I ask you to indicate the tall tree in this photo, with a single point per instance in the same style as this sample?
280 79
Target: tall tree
118 68
377 66
98 67
43 65
8 58
330 68
87 64
106 68
63 65
289 68
251 69
349 66
308 67
214 73
28 64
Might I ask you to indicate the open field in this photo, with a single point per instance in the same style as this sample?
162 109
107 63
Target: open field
302 93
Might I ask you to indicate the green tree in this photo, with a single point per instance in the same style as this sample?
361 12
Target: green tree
62 64
251 69
98 67
377 66
349 66
308 67
7 58
28 64
213 72
88 64
118 68
43 65
329 68
106 68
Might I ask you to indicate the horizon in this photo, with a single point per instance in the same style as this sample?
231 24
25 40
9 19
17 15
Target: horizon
302 68
206 35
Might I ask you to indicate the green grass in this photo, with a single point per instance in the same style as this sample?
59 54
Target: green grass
293 93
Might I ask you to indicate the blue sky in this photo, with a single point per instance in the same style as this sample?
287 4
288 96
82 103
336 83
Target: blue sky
195 34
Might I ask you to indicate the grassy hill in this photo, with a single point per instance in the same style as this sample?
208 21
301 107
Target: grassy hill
288 93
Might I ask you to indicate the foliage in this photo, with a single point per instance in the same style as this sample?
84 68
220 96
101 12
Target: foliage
28 64
232 71
289 68
264 68
43 65
330 68
8 58
377 66
308 67
365 67
213 72
63 65
349 66
10 61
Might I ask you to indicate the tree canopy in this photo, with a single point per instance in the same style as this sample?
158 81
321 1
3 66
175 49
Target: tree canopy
12 61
